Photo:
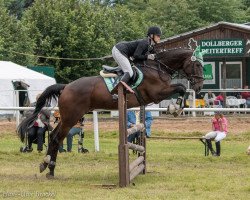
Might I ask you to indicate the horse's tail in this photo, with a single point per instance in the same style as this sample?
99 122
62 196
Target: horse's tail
52 91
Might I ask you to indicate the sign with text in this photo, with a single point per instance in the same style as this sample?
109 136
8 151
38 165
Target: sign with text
223 47
209 73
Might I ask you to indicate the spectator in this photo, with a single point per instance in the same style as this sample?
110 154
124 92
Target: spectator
77 129
220 99
36 134
199 95
190 98
236 94
133 119
218 133
209 98
246 95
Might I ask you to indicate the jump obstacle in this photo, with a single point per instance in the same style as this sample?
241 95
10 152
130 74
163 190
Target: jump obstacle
202 139
128 171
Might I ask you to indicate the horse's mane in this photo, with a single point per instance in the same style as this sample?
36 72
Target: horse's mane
174 55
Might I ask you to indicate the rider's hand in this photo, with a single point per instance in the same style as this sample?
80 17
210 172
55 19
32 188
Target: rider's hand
151 56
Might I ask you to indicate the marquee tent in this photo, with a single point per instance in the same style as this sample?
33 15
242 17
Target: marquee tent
11 75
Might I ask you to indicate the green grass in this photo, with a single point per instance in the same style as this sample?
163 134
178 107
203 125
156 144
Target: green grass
177 169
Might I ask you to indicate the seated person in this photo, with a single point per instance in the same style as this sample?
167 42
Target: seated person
236 94
199 95
36 133
133 119
246 95
220 99
209 98
218 133
77 129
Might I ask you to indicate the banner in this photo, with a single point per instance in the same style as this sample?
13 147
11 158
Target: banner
223 47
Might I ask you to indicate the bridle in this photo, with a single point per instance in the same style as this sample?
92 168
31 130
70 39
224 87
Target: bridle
194 79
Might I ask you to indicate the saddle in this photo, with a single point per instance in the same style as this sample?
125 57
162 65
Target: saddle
107 70
114 72
112 76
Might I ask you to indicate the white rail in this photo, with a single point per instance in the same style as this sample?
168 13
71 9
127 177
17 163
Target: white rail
95 115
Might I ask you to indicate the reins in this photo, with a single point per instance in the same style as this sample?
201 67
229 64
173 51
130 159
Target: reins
173 71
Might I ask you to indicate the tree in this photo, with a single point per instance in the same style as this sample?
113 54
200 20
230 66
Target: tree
219 10
17 7
77 29
14 37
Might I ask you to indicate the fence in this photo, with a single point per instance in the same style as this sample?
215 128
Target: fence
127 172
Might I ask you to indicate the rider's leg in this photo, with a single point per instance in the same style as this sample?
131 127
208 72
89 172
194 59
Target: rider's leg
124 63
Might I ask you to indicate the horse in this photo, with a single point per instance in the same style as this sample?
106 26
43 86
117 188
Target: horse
88 93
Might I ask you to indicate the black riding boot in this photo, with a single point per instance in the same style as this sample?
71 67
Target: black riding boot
217 148
210 147
125 78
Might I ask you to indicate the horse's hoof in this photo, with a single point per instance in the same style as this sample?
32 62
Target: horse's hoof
49 176
177 113
42 167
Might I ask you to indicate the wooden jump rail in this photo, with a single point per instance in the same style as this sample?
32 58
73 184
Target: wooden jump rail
202 139
127 172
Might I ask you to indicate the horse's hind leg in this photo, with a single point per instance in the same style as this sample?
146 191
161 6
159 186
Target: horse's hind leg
50 159
47 158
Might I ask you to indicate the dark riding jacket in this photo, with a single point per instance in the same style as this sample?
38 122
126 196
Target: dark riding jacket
137 49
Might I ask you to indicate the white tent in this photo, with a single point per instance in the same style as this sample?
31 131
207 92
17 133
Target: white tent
10 72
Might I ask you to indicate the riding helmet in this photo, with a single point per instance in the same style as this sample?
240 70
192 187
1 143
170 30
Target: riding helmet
155 30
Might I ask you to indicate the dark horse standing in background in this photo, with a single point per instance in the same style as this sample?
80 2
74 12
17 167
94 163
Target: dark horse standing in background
88 93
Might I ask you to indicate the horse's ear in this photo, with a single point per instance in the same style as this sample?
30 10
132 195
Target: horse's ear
198 54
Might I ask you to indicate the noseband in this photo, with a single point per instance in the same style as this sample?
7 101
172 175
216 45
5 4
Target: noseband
194 79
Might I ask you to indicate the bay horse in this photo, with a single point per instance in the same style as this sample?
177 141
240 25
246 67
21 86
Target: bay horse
88 93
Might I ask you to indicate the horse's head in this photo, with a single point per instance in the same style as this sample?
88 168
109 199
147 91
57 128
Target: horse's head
193 68
186 60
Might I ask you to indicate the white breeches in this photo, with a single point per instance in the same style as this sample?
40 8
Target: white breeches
122 61
216 135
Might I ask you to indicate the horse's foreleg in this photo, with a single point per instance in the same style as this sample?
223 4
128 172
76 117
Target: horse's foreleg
181 89
176 89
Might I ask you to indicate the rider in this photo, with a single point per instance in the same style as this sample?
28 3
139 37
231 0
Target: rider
139 50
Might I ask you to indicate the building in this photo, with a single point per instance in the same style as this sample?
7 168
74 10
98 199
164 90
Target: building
227 47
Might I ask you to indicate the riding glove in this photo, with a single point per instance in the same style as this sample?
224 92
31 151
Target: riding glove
151 56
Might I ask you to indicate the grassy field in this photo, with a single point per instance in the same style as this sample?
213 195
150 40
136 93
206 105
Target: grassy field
177 169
